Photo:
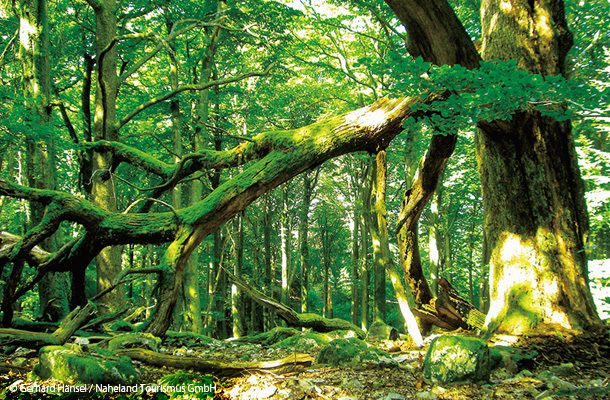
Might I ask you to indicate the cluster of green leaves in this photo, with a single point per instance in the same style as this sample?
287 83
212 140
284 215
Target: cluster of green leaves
497 90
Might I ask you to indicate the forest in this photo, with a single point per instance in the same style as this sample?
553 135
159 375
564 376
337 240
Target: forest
305 199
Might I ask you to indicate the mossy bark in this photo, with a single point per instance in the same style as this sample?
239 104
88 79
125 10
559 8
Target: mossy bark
535 215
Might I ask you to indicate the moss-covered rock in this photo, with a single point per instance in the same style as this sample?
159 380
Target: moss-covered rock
305 342
131 340
457 359
353 353
71 364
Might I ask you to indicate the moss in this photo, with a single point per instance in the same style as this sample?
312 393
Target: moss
130 340
71 364
306 342
353 353
455 358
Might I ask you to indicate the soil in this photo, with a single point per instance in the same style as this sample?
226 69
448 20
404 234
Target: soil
586 358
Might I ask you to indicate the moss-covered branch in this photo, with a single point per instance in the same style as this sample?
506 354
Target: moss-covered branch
293 318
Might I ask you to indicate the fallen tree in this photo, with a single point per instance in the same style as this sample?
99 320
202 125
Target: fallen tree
293 318
218 368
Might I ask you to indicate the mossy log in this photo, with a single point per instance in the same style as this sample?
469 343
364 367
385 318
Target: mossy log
218 368
36 340
293 318
450 310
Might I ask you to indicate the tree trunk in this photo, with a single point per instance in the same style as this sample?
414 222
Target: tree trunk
304 239
355 256
103 189
404 297
237 301
294 362
286 247
40 164
380 242
535 214
268 267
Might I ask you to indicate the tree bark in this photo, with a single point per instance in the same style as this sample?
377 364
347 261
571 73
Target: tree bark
535 214
103 189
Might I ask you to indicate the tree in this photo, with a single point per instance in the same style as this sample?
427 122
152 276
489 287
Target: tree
275 154
535 215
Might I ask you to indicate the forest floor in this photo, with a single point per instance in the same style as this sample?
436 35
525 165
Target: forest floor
588 376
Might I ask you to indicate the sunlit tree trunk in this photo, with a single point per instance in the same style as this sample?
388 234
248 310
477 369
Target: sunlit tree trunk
237 300
433 239
535 214
380 257
304 239
285 247
403 295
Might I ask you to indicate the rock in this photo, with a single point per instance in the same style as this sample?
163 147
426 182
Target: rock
381 331
456 358
138 340
70 364
352 383
556 383
20 362
305 342
353 353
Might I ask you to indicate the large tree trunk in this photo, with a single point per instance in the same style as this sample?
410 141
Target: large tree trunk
103 189
40 164
535 215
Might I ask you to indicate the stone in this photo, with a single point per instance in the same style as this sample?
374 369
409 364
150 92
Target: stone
304 342
71 364
381 331
353 353
457 359
137 340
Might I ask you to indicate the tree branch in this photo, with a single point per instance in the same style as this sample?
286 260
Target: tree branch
172 93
